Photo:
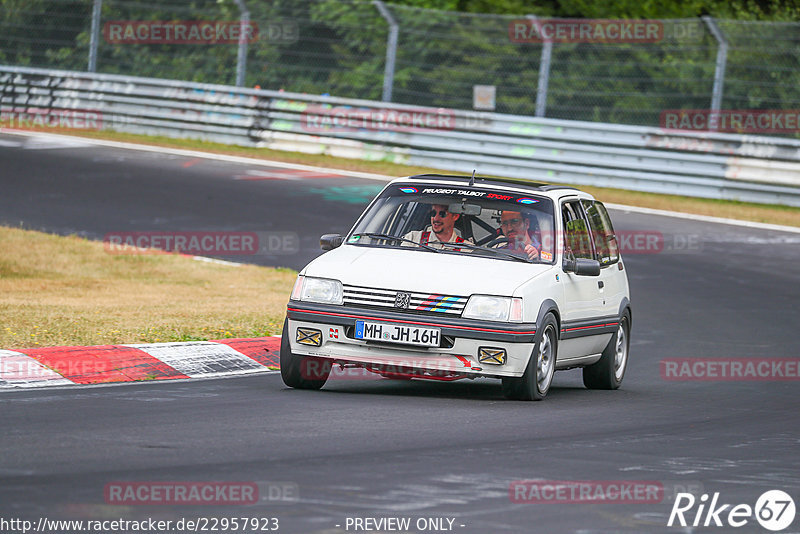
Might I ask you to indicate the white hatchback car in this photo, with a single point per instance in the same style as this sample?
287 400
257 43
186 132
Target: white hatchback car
448 277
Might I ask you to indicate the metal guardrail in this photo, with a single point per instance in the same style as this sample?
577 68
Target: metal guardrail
711 165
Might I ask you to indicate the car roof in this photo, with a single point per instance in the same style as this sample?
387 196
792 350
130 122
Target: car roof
552 190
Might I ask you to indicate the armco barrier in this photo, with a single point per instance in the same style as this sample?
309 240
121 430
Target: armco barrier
711 165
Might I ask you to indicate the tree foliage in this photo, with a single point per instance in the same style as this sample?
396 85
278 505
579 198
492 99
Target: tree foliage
445 48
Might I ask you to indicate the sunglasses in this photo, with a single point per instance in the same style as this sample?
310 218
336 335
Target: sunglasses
442 213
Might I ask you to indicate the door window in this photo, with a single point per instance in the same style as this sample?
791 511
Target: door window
577 239
605 240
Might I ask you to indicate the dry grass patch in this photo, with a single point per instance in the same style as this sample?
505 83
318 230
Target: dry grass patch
69 291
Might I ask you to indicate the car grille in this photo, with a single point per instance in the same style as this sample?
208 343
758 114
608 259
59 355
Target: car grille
423 303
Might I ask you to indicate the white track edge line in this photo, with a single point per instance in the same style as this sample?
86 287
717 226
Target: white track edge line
67 387
205 155
704 218
380 177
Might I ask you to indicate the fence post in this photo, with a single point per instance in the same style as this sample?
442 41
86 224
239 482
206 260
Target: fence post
241 57
94 38
719 71
391 51
544 72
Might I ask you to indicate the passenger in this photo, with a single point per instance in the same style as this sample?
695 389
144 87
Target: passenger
516 229
441 230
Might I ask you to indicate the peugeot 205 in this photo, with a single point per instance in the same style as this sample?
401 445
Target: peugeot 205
451 277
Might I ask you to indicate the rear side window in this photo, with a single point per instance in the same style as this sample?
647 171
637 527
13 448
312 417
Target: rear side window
605 240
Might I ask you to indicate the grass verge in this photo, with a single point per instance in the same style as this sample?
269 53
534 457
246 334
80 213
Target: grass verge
69 291
772 214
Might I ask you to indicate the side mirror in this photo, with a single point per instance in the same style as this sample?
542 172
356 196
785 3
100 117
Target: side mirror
330 241
582 267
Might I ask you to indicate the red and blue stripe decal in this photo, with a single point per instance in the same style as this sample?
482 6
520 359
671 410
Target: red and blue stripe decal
437 303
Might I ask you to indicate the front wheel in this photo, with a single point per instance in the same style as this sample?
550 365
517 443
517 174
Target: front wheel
609 370
301 372
535 382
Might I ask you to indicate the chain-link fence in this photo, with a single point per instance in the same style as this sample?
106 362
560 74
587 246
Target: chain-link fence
347 48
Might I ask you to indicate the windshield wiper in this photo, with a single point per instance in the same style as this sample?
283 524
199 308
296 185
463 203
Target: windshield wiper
396 238
495 250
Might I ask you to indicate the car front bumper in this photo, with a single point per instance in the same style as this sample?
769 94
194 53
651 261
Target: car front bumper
460 355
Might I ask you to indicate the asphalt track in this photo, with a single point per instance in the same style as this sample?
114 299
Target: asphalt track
378 448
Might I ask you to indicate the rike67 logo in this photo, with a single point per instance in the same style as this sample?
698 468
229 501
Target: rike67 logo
774 510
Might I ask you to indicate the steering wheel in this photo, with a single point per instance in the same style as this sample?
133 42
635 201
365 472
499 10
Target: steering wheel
496 241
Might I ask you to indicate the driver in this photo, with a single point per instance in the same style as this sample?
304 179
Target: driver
441 230
515 227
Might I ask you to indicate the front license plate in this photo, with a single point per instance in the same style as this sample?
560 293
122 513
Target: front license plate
396 333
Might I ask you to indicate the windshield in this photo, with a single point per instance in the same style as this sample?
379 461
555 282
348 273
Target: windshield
459 220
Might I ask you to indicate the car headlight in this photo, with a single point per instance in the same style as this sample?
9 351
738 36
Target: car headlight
323 290
490 308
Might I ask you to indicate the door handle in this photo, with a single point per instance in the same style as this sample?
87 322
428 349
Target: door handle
600 284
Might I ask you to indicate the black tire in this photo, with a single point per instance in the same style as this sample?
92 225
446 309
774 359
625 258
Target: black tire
301 372
535 382
609 370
